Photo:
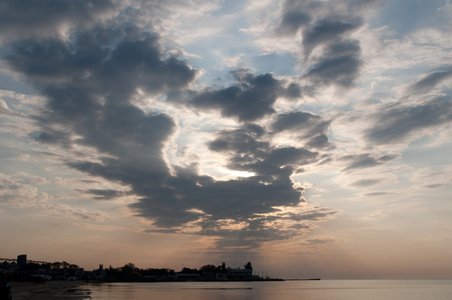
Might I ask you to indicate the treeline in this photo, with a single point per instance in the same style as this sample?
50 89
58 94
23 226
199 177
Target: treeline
51 266
129 272
36 271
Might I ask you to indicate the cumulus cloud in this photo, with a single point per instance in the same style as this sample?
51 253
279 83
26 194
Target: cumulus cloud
306 126
251 98
248 151
91 78
327 28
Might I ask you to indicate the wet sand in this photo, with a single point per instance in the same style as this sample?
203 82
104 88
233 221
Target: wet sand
50 290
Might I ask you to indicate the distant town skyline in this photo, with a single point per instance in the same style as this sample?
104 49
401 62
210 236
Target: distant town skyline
312 137
22 269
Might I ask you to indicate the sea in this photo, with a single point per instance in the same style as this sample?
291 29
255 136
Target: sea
277 290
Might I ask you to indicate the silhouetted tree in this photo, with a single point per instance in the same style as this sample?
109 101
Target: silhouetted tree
208 268
133 276
189 271
248 266
113 274
128 268
56 265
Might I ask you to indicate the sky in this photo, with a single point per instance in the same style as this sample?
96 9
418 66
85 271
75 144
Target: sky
312 138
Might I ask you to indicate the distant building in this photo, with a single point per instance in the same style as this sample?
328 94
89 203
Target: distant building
188 277
6 267
222 276
22 261
240 274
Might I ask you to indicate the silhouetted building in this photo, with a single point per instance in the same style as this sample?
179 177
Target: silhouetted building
240 274
22 261
188 277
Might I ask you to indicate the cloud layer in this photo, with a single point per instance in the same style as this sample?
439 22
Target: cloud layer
91 78
93 62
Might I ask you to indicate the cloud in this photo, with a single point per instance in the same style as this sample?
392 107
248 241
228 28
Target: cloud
306 126
13 193
16 193
45 18
292 21
395 123
64 210
104 194
327 32
90 90
250 151
434 186
362 161
92 78
365 183
188 202
430 81
251 98
327 28
282 224
378 194
339 65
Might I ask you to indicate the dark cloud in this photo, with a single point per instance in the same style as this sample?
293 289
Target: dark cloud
99 194
295 121
339 64
324 241
365 182
337 70
363 161
396 122
316 213
251 98
327 32
309 127
50 136
319 142
378 194
243 140
90 83
433 186
430 81
292 21
247 237
329 29
94 62
90 80
296 15
25 18
249 153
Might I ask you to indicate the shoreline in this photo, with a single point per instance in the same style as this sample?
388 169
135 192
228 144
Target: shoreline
50 290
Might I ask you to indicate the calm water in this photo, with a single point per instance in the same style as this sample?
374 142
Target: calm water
287 290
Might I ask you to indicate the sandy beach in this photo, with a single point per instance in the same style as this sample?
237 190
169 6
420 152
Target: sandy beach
49 290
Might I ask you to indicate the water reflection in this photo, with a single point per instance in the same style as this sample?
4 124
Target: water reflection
288 290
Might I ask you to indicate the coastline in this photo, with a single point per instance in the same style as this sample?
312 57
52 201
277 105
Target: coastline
50 290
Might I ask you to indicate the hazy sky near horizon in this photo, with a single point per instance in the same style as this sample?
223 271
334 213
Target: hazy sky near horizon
312 138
